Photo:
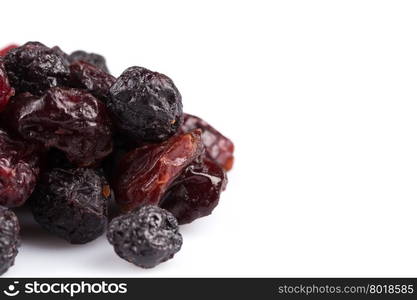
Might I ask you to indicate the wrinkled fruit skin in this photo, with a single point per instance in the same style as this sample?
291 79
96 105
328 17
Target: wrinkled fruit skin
6 50
92 79
218 147
145 237
34 68
196 192
9 238
72 204
6 91
145 173
70 120
146 105
94 59
19 170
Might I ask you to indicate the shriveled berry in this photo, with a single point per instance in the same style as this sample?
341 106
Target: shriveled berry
219 148
34 68
19 169
6 91
145 237
94 59
5 50
146 105
72 204
71 120
145 173
94 80
196 192
9 238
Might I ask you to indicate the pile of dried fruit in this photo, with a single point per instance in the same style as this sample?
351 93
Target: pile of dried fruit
73 138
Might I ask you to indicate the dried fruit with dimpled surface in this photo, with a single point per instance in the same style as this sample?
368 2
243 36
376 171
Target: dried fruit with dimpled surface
34 68
145 173
6 91
94 59
9 238
145 237
196 192
146 105
68 119
92 79
219 148
72 204
19 169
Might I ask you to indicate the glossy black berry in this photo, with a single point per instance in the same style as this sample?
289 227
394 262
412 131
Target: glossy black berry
146 105
72 204
34 68
92 58
9 238
145 237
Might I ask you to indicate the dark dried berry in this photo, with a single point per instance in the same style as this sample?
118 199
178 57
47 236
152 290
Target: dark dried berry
94 59
68 119
145 173
219 148
34 68
6 50
9 238
19 169
145 237
72 204
6 91
146 105
196 192
91 78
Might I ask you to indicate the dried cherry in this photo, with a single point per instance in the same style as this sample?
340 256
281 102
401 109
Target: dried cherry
19 169
6 91
219 148
68 119
145 173
196 192
94 59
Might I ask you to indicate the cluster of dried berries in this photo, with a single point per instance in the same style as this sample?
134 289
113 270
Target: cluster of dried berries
73 138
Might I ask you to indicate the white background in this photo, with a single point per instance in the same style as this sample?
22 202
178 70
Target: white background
320 99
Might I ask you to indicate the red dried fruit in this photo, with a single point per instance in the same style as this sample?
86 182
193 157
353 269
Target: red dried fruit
219 148
6 91
91 78
146 172
19 169
196 192
5 50
70 120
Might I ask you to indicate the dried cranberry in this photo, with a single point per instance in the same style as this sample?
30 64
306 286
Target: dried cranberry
94 59
91 78
19 169
67 119
146 172
6 50
196 192
146 105
219 148
34 68
6 91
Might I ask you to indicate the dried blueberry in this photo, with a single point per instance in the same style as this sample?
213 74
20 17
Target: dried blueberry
72 204
34 68
146 105
94 59
145 237
6 91
9 238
